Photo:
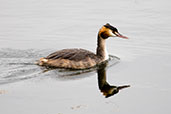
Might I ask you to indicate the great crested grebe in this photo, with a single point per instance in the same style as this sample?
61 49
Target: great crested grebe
80 58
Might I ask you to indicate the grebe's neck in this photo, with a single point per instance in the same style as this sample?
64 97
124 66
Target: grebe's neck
101 50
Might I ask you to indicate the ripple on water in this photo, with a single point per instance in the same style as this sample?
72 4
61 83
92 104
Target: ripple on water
18 65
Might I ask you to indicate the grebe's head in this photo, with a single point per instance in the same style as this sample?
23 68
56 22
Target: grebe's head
110 31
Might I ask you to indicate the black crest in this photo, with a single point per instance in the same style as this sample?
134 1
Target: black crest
111 27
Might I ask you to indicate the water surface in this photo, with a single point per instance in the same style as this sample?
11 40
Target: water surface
35 28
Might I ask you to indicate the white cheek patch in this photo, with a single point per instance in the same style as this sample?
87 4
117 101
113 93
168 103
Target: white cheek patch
111 33
117 33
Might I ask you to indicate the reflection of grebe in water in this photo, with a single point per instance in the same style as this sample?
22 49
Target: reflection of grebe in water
80 58
107 89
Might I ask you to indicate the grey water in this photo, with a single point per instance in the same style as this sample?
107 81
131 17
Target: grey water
30 29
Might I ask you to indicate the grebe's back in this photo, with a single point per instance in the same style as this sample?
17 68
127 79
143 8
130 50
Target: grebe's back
72 54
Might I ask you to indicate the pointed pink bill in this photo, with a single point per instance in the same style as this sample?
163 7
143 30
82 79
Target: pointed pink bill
120 35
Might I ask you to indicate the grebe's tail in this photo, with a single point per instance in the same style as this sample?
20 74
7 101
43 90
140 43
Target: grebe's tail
42 61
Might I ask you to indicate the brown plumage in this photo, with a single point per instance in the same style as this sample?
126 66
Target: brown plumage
80 58
72 58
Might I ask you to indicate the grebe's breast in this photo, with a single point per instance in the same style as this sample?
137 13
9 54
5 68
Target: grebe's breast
72 58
